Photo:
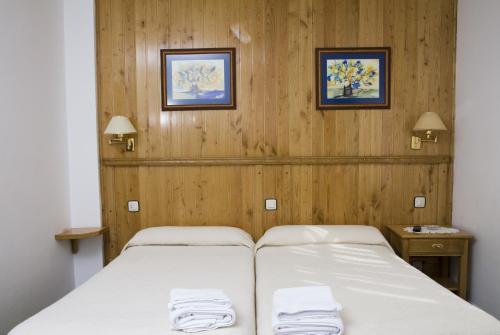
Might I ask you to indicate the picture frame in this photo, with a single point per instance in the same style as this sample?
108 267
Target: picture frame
353 78
197 79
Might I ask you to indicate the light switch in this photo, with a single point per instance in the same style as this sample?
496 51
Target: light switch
133 206
419 202
271 204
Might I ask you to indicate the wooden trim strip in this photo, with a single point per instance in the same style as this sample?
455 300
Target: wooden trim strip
337 160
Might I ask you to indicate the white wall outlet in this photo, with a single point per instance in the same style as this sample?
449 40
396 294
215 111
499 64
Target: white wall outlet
133 206
419 202
271 204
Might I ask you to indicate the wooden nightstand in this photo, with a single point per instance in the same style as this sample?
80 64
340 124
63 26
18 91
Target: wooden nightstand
409 245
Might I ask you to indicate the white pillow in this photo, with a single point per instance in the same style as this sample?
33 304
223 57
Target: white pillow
204 235
321 234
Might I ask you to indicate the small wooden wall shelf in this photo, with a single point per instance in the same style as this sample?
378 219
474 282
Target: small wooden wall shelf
76 234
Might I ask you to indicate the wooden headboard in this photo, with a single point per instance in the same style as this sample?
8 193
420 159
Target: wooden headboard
216 167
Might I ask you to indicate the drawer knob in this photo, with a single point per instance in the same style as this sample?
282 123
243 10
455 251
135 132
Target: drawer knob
438 245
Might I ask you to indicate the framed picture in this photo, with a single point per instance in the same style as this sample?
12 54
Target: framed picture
198 79
353 78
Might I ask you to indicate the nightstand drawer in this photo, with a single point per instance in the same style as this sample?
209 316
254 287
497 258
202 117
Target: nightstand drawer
436 246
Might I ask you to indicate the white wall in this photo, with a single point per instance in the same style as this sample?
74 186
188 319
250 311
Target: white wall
79 44
476 201
35 270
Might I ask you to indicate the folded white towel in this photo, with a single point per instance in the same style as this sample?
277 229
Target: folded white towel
198 298
335 327
303 301
306 310
196 310
321 326
193 320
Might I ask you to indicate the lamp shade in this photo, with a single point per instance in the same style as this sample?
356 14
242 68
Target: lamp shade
120 125
429 121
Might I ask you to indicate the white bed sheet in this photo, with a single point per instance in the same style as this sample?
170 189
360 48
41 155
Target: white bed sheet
131 294
380 293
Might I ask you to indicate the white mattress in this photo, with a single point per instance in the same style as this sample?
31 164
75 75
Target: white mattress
130 295
380 293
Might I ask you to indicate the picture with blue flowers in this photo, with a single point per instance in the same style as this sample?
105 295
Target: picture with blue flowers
355 78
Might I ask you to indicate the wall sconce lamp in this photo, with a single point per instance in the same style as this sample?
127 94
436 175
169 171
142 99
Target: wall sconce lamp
120 126
428 123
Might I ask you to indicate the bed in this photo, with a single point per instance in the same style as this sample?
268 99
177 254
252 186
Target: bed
380 293
130 295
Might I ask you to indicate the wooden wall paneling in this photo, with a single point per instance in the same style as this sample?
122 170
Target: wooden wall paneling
156 39
118 63
245 75
443 200
319 195
154 197
317 116
247 198
111 249
284 35
409 68
369 195
175 30
306 82
270 189
446 71
370 123
398 199
329 167
433 62
346 197
270 77
214 129
258 205
233 144
295 76
346 30
386 199
426 184
423 68
281 55
221 197
329 128
126 188
301 196
223 133
394 134
258 93
127 67
449 201
191 129
371 14
193 38
328 178
389 128
104 69
234 196
141 86
252 199
369 177
190 195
